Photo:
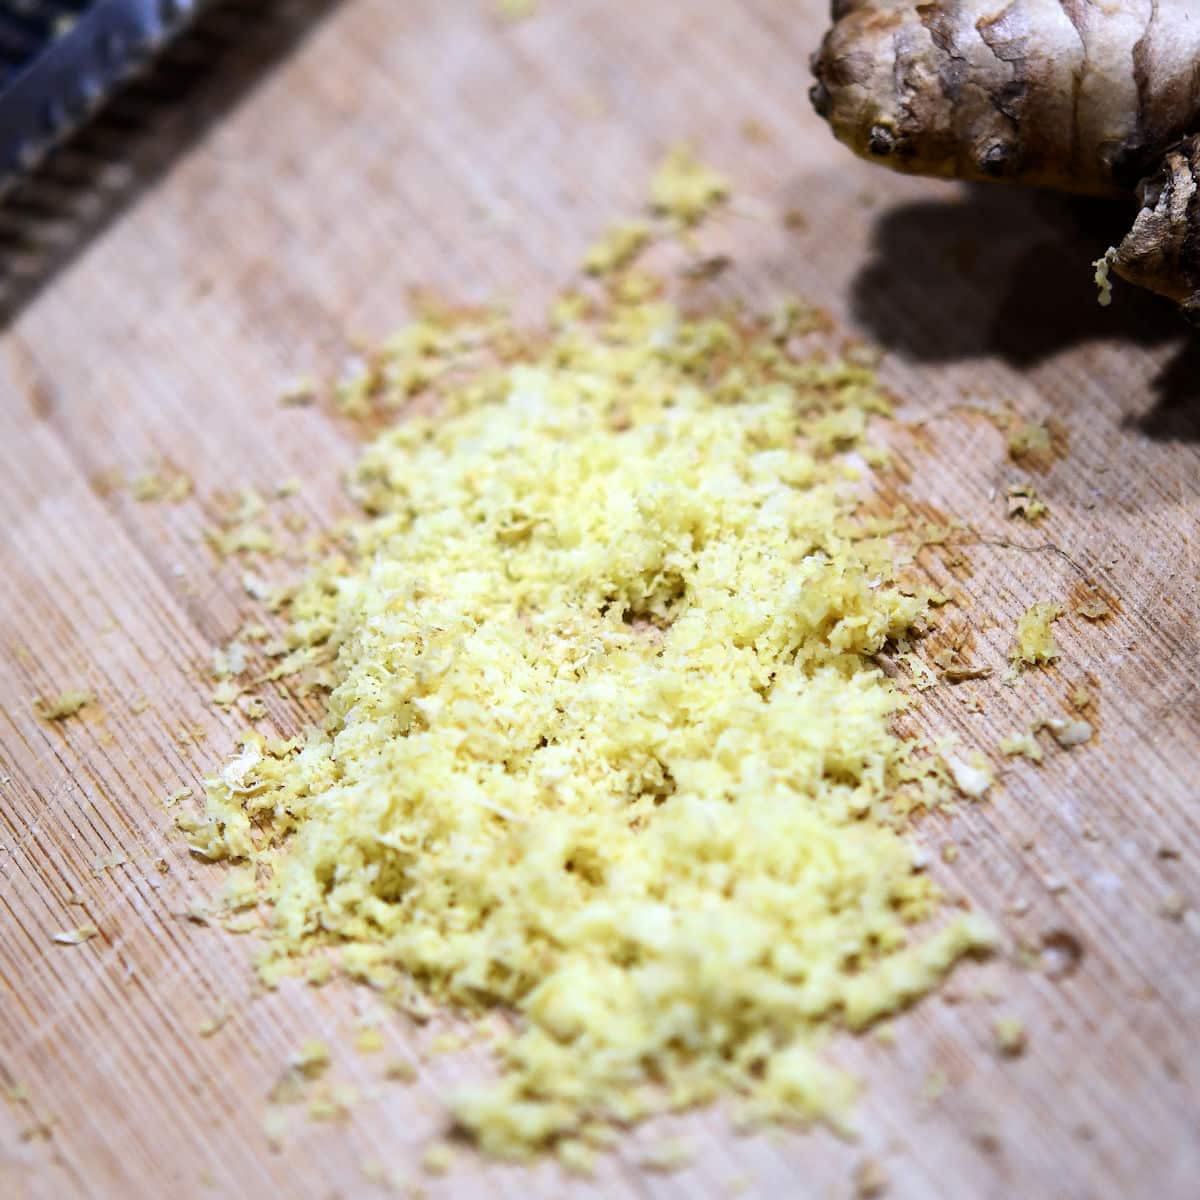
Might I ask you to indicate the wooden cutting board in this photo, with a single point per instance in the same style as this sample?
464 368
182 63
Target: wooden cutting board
428 143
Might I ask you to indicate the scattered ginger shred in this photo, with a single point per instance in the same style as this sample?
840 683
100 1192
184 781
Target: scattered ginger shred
64 705
515 10
1024 503
226 693
333 1104
369 1041
1102 266
400 1070
605 742
667 1157
214 1023
275 1125
1023 745
1035 644
617 248
1029 440
75 937
972 778
1009 1036
1068 732
446 1043
165 484
311 1060
576 1157
299 391
438 1159
685 189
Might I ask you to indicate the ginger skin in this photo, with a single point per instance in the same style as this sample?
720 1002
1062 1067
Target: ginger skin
1162 250
1079 95
1069 94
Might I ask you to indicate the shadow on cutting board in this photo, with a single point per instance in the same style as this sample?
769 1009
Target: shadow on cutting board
997 271
85 184
1176 416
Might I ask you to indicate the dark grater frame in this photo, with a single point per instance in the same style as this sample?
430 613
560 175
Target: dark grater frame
94 109
64 59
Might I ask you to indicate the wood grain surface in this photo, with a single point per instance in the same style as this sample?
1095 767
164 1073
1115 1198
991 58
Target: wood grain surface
428 143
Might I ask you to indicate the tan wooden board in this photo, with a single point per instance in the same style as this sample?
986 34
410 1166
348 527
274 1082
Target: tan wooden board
426 143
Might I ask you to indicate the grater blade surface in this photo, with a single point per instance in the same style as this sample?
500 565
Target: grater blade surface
61 59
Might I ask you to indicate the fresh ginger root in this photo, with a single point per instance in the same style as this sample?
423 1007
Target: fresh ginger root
1082 95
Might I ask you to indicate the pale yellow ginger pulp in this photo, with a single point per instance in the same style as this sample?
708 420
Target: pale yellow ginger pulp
618 247
606 744
1035 644
685 188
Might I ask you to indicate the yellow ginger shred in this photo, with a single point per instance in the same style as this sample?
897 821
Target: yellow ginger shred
1023 502
667 1157
108 862
1009 1036
686 189
1035 644
226 693
333 1104
369 1041
215 1023
605 743
1023 744
446 1043
311 1060
64 705
298 392
75 937
617 248
576 1157
438 1159
1102 266
245 538
166 484
515 10
275 1126
1029 439
971 776
1067 731
400 1070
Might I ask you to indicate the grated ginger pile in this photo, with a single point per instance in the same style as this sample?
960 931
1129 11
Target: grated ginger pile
605 743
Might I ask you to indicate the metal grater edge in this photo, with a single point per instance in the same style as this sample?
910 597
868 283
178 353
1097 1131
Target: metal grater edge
74 74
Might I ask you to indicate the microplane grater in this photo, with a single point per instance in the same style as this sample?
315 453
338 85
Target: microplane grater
61 59
97 98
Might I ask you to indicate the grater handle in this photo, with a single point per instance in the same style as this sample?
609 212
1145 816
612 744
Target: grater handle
56 91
